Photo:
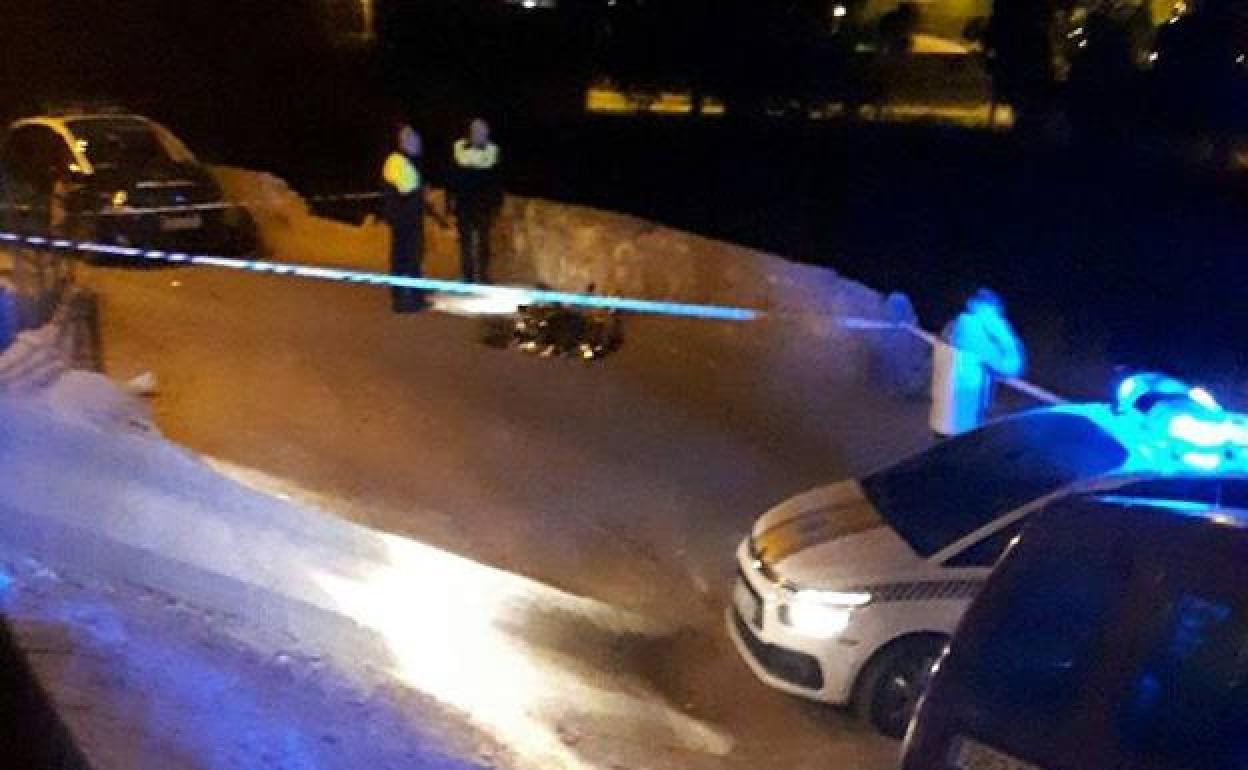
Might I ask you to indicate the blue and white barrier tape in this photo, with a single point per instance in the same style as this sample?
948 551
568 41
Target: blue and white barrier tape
870 324
192 208
513 295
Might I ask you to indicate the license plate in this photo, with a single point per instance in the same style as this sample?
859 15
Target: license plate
746 604
968 754
186 222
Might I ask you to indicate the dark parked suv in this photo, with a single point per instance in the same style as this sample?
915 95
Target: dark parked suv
1113 635
111 176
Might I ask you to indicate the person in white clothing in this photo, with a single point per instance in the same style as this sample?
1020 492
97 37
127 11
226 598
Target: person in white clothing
978 348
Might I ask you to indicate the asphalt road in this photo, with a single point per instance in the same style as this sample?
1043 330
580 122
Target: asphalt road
629 480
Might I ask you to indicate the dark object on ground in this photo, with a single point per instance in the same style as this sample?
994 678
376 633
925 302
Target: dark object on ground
554 330
32 735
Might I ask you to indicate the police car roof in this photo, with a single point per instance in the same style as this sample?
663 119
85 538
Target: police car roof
62 120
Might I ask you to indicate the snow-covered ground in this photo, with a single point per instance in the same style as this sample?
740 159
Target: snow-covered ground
540 550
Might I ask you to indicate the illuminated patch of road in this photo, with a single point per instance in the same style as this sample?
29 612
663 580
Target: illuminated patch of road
521 659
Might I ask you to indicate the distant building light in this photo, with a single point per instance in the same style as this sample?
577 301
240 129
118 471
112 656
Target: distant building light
840 11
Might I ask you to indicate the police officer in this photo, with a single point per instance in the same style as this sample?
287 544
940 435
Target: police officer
403 194
476 197
979 347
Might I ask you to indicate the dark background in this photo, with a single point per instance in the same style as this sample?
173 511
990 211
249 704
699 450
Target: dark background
1130 257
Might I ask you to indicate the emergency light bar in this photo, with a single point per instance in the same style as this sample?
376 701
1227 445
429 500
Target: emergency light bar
1186 421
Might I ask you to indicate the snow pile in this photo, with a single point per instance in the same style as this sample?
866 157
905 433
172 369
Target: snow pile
494 646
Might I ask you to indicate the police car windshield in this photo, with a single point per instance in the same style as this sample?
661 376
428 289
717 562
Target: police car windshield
938 497
112 143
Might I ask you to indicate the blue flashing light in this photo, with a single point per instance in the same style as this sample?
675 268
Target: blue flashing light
1135 387
1127 389
1204 398
1205 461
1201 433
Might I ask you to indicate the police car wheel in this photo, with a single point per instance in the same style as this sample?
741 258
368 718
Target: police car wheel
890 687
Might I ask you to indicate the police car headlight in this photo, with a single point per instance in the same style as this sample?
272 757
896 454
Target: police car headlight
821 614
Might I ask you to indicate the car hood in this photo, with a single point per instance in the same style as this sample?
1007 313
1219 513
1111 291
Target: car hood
829 537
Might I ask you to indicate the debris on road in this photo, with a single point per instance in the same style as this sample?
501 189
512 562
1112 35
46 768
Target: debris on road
553 330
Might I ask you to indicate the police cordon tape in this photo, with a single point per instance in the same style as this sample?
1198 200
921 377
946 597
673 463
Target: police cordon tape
869 324
191 208
513 296
510 296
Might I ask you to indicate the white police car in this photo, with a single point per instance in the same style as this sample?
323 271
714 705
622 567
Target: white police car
848 593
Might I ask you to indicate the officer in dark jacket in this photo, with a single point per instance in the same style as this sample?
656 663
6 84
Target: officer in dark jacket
403 194
476 197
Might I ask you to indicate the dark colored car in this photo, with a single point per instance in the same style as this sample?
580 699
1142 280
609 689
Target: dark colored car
120 179
1113 635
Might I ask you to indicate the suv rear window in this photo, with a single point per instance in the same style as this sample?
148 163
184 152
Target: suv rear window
112 143
938 497
1189 702
1038 630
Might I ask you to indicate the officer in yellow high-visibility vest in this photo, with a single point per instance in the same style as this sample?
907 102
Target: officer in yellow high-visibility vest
403 194
476 197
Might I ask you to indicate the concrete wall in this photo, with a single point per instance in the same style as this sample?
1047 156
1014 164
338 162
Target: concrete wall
572 247
36 358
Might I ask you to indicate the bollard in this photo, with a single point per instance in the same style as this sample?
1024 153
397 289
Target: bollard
8 317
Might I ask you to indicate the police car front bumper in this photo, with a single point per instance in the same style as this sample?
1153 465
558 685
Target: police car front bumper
822 669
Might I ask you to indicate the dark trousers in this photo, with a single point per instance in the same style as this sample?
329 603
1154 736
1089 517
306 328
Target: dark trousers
474 248
407 255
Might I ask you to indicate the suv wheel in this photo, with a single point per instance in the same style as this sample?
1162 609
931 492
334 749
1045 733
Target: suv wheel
892 683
